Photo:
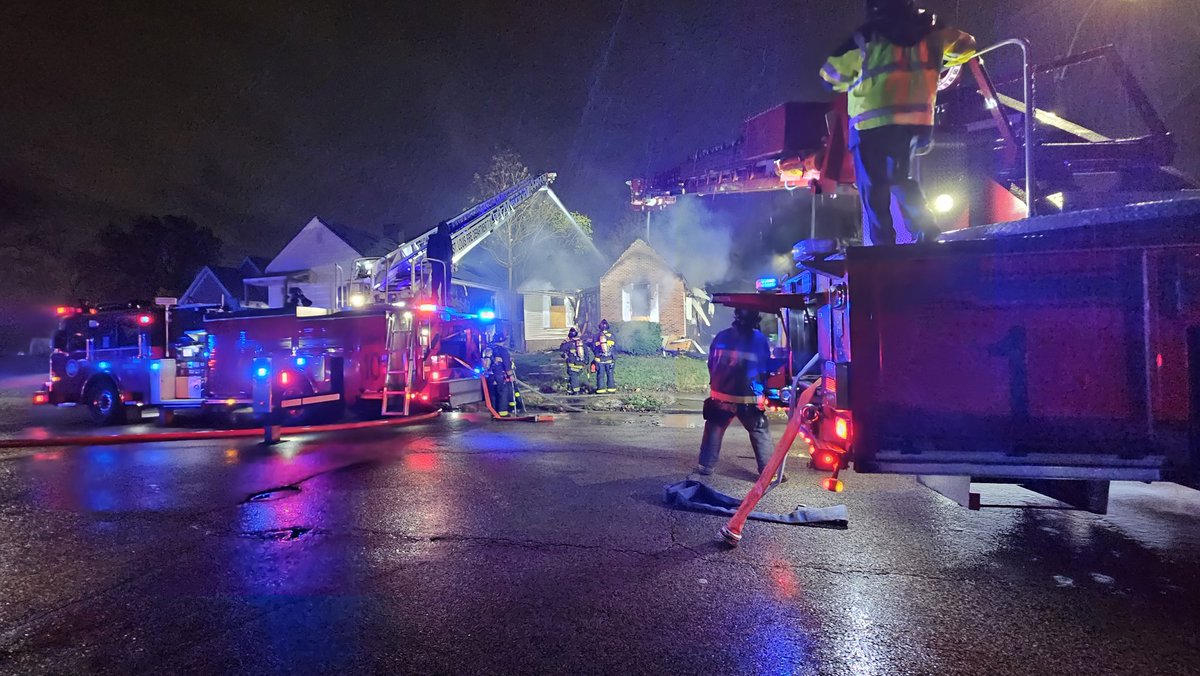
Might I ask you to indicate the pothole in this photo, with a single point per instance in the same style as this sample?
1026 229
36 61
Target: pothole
279 534
272 494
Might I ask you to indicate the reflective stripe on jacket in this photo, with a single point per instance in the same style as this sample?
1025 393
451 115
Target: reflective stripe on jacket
894 84
738 365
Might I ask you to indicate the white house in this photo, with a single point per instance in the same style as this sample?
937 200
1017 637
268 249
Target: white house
319 261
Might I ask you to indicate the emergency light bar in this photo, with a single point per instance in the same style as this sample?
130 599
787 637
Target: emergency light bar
767 284
487 315
427 307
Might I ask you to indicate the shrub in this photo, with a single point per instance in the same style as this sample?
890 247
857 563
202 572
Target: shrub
642 403
639 338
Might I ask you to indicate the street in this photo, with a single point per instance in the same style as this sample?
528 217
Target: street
469 546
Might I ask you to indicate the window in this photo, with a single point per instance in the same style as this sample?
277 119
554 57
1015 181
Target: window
639 302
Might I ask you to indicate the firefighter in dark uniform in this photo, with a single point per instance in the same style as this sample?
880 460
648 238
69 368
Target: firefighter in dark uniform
739 362
603 347
575 359
439 250
503 374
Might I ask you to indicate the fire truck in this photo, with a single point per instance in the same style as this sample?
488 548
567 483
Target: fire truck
1050 337
396 348
119 358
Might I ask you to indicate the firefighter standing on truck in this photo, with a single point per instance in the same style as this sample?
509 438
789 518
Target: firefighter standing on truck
604 347
503 374
890 69
739 362
575 359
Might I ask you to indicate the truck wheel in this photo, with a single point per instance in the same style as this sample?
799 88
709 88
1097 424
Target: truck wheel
297 415
104 403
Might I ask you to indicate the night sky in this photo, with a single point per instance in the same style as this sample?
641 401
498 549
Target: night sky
253 117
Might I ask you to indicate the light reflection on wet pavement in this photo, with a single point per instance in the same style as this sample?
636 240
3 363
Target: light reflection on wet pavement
517 548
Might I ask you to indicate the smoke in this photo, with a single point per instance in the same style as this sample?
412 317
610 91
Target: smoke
696 242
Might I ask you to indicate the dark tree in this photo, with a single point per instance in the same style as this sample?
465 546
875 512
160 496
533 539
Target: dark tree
150 256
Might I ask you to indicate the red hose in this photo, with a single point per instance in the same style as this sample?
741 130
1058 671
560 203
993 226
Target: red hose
201 435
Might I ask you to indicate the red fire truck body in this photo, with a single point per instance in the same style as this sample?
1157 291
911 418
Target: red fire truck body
345 359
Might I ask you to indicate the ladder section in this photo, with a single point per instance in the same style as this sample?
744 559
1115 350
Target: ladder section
398 380
467 230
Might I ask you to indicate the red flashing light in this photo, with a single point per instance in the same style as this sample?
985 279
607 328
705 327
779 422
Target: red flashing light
436 375
424 397
144 319
827 459
427 307
63 310
832 485
842 428
283 378
41 398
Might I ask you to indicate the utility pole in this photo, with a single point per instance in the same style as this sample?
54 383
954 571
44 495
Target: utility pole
647 226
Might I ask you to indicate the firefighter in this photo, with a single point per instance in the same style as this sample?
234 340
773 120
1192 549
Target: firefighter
603 349
738 365
890 69
575 360
503 374
439 250
297 298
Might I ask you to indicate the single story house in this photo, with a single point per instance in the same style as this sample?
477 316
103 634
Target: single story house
222 286
642 286
319 261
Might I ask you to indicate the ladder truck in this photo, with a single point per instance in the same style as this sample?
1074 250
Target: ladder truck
1050 338
394 350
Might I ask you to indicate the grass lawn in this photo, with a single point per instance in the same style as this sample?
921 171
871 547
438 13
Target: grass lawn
633 374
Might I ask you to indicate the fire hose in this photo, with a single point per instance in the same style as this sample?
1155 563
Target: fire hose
203 435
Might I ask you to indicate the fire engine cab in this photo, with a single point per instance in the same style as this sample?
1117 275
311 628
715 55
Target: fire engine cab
114 360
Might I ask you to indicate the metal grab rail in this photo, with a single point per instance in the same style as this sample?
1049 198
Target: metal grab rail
1030 113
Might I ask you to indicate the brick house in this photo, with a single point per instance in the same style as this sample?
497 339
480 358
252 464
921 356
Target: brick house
642 286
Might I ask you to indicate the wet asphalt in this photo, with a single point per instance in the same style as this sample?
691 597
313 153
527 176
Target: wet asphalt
466 546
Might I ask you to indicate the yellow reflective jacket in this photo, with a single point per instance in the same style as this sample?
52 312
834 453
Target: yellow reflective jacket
890 69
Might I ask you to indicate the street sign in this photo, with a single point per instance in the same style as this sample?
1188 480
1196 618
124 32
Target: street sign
166 301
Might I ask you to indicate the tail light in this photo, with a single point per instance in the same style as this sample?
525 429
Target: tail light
283 378
841 427
41 398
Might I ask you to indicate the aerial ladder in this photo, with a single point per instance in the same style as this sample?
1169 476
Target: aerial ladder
402 279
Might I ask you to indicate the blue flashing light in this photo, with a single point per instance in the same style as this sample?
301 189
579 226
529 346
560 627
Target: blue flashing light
767 284
301 361
104 366
478 370
487 315
262 372
155 366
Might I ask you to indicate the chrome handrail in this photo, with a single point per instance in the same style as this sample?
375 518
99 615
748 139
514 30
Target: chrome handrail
1030 112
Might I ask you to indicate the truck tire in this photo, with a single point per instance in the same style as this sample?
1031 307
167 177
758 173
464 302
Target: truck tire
104 403
297 415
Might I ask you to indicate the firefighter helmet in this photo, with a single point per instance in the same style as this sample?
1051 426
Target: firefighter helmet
498 337
573 333
603 324
746 318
